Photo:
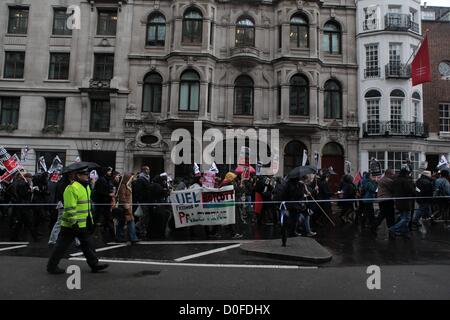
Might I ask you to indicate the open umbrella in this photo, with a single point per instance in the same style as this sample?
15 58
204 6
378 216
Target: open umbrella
76 166
240 170
301 171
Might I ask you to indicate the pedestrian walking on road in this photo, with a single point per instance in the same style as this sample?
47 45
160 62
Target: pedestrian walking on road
126 214
387 206
424 190
403 188
77 222
442 189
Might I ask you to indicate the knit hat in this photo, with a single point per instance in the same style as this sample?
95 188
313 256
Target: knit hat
230 176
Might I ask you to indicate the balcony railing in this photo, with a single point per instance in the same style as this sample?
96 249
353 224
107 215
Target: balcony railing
400 22
395 128
372 73
398 71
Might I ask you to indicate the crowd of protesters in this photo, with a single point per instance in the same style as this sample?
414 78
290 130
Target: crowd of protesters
139 203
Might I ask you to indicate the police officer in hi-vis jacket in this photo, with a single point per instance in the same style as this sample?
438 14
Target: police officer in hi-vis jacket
76 221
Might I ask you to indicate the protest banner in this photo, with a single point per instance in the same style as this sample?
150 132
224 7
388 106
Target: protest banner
6 177
203 206
12 164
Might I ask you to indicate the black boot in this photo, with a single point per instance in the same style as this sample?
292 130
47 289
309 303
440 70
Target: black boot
99 267
55 270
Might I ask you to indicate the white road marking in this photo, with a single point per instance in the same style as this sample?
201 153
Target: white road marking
9 243
189 242
12 248
101 249
245 266
205 253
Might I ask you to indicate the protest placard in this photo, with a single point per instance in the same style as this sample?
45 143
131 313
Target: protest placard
203 206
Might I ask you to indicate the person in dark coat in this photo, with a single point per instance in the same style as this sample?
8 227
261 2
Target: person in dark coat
296 192
368 193
424 188
41 197
324 193
102 196
141 197
159 213
403 188
348 192
23 214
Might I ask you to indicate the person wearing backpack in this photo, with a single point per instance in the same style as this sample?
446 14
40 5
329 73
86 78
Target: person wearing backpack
424 188
442 189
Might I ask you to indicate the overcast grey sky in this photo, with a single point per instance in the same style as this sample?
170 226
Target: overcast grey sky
437 3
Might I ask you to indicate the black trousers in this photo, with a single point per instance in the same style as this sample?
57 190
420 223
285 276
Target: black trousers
65 239
104 212
387 211
22 219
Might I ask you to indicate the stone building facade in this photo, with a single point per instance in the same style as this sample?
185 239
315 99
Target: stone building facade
156 66
390 108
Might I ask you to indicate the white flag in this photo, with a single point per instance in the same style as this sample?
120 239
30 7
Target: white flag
93 175
258 168
196 169
42 164
443 162
214 168
347 167
24 154
77 159
305 157
316 159
56 165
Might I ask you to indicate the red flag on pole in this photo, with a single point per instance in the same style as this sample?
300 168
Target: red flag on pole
421 69
357 178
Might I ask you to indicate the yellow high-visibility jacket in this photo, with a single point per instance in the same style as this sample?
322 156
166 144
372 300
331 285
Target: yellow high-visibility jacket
77 205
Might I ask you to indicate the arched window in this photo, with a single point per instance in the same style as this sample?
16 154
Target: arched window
243 96
373 98
156 29
397 98
245 32
416 105
299 35
189 91
333 100
332 38
152 94
192 27
299 96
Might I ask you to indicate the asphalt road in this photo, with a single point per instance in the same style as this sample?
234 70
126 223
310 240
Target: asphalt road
25 278
185 267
